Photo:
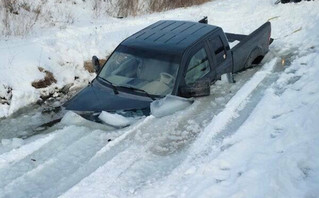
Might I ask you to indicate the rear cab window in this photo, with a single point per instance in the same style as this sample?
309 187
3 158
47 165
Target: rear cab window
198 66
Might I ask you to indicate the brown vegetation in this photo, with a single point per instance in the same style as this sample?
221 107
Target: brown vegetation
47 81
161 5
18 17
18 11
133 7
88 66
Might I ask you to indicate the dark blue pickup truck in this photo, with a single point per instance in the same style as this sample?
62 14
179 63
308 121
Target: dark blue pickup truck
180 58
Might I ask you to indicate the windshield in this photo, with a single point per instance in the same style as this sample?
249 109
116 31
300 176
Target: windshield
151 72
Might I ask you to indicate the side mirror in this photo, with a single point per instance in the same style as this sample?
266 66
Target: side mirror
196 89
96 64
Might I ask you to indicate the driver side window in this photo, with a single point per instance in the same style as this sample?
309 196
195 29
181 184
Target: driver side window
198 66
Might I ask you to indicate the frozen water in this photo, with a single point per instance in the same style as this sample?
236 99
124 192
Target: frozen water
71 118
169 105
115 120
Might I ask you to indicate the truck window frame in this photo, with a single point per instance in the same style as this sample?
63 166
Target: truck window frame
191 52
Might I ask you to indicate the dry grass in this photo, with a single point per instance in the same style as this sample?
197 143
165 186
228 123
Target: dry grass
47 81
18 17
162 5
128 7
124 8
88 66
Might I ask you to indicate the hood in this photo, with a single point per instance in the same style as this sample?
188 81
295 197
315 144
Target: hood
99 97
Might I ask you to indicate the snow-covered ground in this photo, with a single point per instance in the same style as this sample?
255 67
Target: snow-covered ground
255 138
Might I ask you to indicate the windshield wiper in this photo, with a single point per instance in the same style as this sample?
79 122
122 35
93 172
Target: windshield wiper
139 90
111 84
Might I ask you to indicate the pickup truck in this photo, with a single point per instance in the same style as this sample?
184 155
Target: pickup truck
180 58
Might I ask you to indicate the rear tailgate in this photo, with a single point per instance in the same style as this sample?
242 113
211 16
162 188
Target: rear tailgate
257 43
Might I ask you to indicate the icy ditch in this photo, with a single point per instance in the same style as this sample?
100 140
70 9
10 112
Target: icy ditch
149 132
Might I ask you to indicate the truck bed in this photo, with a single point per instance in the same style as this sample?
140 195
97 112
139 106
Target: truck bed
250 46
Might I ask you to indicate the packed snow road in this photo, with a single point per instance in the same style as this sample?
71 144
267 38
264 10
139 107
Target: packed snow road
255 138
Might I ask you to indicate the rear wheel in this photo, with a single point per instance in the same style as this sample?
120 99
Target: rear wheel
257 60
254 58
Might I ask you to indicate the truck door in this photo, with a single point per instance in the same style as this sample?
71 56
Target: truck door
198 65
221 54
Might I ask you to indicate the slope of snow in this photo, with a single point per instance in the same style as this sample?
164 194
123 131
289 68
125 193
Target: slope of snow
255 138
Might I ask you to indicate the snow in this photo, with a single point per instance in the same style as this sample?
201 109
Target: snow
255 138
234 105
169 105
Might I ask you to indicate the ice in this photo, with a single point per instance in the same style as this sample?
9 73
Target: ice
169 105
72 118
115 120
14 142
22 150
5 142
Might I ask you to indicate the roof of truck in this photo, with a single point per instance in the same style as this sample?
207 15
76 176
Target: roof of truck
169 36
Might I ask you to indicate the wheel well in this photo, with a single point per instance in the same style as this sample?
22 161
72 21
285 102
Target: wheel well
257 60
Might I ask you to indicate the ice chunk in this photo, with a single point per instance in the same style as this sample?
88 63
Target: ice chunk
71 118
115 119
169 105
